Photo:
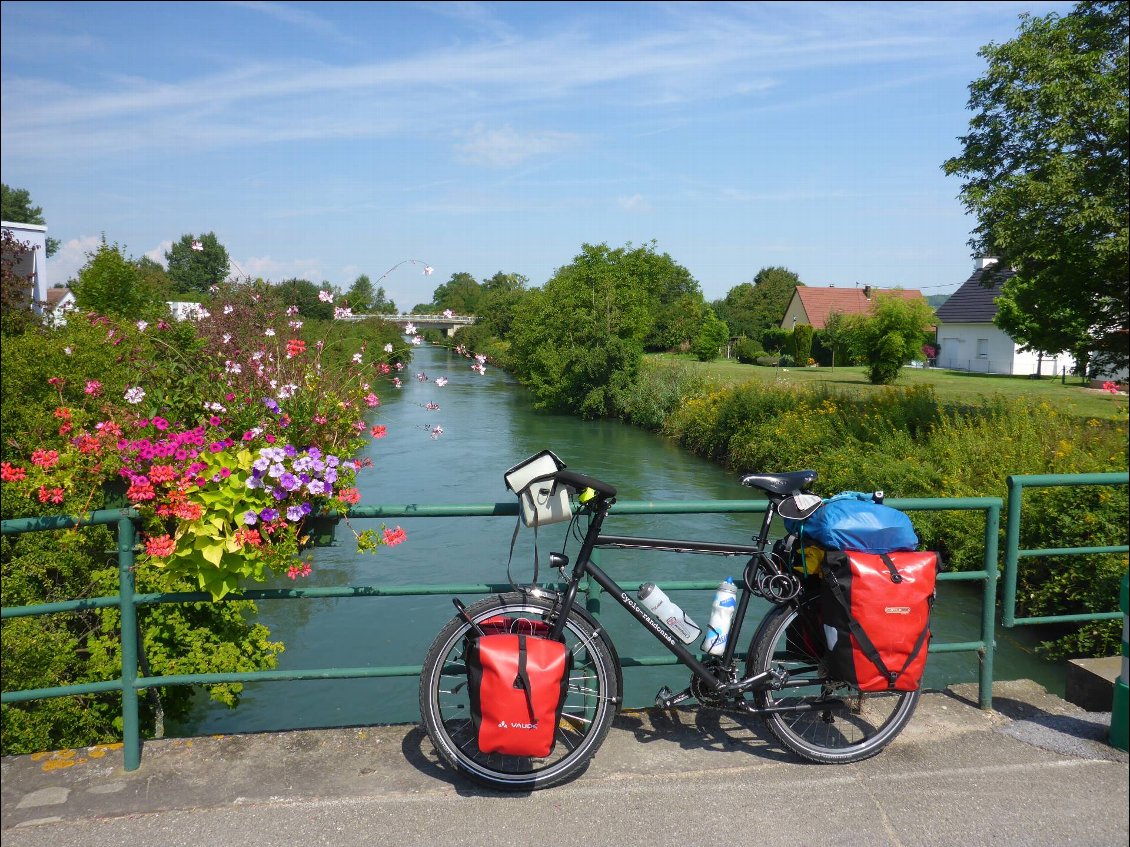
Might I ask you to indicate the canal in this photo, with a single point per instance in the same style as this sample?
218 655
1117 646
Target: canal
487 426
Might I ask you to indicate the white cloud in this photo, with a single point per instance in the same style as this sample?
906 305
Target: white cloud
70 258
157 254
277 270
635 203
505 147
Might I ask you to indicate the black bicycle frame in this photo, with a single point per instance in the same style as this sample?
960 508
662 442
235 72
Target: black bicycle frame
585 566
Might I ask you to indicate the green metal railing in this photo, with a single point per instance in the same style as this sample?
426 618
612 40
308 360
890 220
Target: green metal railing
130 683
1013 554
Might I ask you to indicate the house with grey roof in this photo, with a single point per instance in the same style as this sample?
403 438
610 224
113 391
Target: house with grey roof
968 340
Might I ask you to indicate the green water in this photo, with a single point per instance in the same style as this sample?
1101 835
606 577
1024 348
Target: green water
489 426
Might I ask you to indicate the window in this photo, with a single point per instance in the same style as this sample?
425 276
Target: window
982 348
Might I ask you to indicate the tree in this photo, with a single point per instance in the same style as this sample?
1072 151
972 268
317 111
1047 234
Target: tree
752 308
834 337
305 295
501 295
110 284
16 315
461 294
15 206
891 337
711 338
802 344
360 295
578 341
1046 174
196 264
381 304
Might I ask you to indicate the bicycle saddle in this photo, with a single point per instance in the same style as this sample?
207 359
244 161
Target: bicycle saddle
781 483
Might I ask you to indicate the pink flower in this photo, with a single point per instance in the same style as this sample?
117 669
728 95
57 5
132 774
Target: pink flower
93 387
12 473
372 400
326 296
45 458
160 547
394 536
378 431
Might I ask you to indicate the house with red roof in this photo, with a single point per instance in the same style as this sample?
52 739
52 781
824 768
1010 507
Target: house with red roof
814 305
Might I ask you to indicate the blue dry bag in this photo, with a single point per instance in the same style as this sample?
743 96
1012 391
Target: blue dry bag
849 522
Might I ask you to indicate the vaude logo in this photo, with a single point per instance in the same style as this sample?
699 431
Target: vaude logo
514 725
897 610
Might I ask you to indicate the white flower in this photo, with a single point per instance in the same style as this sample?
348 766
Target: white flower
441 381
340 313
135 395
141 325
447 313
233 367
409 328
270 333
417 340
228 309
326 296
388 348
428 270
227 337
68 350
197 246
356 358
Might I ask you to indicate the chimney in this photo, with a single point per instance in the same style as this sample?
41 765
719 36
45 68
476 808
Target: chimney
867 291
983 262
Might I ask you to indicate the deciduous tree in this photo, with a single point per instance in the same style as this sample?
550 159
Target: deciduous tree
891 336
16 207
197 263
1045 166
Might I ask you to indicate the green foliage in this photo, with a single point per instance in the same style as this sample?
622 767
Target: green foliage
802 344
657 391
753 308
577 341
16 207
746 351
302 294
360 296
890 337
16 315
775 340
1045 170
461 294
111 284
908 444
77 647
710 342
196 264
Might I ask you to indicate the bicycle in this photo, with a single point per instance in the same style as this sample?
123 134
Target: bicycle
784 678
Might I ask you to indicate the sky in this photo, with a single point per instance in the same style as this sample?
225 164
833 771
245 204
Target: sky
328 140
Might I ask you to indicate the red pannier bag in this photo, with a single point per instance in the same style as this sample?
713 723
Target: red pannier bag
517 684
876 611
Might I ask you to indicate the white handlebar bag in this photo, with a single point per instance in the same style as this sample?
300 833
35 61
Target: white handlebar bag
543 499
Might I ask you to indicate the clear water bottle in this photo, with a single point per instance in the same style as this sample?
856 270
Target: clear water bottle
721 617
664 608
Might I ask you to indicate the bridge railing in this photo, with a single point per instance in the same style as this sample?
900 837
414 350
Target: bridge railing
130 682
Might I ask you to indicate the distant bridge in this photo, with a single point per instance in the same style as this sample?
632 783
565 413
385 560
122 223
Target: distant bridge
448 323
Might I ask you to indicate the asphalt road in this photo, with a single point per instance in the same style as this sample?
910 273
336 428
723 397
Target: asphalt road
1034 771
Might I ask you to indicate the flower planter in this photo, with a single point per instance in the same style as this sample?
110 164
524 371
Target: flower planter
319 530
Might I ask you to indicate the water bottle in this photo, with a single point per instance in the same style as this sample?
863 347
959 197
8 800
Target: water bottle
721 616
660 605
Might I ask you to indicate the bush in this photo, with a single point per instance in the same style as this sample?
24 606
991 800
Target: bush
768 361
747 351
906 443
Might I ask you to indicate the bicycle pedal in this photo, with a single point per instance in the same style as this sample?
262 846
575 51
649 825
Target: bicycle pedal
665 699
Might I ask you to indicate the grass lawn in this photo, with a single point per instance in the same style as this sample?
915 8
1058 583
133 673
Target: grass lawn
957 386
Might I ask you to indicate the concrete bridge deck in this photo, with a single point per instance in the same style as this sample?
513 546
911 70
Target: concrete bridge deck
1034 772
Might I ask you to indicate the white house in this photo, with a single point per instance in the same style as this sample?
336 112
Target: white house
60 302
32 266
970 341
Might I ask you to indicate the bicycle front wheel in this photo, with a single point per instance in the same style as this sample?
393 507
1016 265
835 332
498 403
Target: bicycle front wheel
592 698
823 720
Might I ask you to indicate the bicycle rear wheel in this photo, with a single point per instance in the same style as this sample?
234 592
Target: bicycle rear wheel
839 722
591 702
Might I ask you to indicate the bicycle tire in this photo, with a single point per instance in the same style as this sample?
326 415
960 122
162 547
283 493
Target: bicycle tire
591 702
852 725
